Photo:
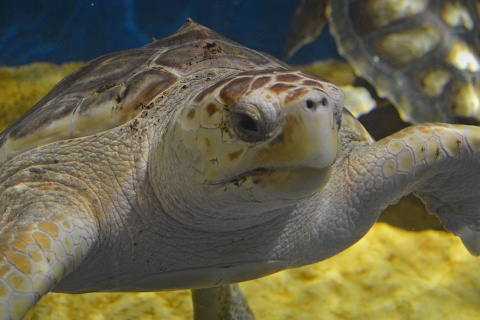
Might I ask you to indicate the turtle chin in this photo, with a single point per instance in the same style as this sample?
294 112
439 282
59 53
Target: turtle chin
288 184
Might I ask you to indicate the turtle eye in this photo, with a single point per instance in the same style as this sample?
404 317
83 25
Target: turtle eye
253 121
247 127
245 122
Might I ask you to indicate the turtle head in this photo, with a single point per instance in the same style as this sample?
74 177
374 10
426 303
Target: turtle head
261 135
254 142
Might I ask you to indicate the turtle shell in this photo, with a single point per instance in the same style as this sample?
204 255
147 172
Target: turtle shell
423 55
112 90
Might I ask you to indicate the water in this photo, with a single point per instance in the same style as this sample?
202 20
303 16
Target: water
61 31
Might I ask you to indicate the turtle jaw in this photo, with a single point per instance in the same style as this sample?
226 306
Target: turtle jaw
287 184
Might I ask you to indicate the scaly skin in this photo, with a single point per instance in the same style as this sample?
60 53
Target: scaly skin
448 156
52 235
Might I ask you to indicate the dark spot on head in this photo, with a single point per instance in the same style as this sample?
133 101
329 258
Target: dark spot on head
234 155
191 114
147 260
211 109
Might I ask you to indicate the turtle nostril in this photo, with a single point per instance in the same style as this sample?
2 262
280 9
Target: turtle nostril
324 102
313 104
310 104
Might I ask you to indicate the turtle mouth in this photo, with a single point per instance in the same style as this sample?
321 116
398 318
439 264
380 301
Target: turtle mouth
241 178
283 183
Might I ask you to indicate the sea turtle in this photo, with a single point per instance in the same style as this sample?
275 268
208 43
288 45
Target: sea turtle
423 55
194 162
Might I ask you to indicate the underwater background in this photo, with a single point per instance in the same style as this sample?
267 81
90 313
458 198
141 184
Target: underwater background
71 30
408 268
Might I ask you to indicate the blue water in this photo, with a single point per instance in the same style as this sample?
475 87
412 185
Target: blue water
72 30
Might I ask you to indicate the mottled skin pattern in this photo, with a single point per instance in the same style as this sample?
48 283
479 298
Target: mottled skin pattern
239 168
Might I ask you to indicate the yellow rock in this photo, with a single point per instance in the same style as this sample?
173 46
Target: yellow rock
390 273
334 71
21 87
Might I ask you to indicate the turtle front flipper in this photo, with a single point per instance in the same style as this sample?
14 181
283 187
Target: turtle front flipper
42 239
440 163
224 302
